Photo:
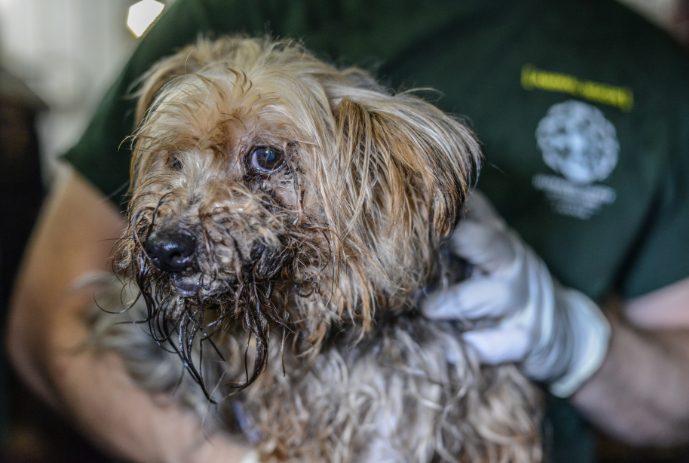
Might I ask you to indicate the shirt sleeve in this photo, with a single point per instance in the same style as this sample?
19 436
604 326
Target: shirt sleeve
662 257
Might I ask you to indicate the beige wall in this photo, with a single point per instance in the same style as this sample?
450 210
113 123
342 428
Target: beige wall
659 11
67 51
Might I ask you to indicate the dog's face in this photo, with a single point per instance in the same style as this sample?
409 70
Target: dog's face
271 190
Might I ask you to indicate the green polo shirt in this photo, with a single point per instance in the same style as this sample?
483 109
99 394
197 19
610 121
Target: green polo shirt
582 108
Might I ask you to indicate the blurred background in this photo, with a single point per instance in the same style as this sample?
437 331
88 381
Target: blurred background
56 59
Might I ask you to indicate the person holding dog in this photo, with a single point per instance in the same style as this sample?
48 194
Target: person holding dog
586 161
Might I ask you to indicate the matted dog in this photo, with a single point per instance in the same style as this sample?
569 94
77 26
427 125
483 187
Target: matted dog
284 216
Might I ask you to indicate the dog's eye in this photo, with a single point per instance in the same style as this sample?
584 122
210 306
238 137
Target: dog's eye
266 159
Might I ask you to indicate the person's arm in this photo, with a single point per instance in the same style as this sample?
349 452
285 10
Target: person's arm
74 236
628 373
641 392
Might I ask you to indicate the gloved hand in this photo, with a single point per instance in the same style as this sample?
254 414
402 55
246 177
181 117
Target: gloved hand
557 335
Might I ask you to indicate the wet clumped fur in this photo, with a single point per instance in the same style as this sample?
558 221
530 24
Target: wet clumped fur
283 216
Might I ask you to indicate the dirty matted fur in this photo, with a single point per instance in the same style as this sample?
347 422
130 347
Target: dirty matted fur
283 216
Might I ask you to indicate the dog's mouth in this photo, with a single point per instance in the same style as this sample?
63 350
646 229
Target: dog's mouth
198 292
186 285
210 281
198 285
188 310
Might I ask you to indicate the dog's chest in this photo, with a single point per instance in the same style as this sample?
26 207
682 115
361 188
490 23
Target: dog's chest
382 399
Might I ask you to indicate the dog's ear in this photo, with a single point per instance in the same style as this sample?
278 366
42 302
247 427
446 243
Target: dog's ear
407 164
403 169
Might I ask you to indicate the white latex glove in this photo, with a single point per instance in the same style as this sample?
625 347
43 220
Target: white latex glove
558 335
251 457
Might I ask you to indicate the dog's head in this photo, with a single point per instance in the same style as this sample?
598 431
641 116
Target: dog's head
271 189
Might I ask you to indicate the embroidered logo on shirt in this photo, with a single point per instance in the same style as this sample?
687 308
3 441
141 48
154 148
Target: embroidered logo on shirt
612 95
578 142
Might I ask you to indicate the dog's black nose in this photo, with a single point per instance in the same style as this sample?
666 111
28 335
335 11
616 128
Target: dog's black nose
171 250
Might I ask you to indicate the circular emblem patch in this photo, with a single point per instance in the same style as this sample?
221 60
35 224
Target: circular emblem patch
578 141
